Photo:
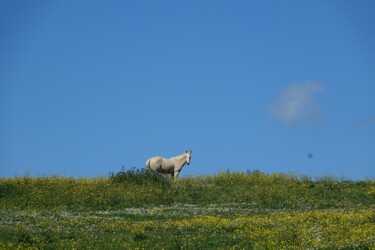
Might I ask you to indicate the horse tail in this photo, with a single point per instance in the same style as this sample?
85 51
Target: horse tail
148 163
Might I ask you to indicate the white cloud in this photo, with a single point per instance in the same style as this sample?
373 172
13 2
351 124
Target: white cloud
297 105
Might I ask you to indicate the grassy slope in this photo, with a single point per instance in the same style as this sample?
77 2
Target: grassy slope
133 209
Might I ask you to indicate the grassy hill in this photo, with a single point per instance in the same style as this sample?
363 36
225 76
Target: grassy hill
134 209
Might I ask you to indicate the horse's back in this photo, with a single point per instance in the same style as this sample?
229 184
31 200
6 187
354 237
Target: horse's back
154 163
161 164
156 159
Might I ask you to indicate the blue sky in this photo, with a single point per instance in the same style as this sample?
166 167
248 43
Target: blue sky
87 87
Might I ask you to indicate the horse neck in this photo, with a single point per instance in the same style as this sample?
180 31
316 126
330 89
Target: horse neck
181 159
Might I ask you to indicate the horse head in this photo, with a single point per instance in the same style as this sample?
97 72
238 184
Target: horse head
188 156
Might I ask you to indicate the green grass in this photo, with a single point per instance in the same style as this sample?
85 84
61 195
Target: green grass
136 209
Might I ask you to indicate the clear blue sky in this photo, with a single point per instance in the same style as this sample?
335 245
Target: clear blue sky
89 86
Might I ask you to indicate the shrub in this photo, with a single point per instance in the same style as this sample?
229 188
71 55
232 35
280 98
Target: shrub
139 176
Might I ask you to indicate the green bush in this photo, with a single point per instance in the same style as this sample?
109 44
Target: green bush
139 176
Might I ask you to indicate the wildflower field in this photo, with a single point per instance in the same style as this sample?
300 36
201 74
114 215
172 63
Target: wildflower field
137 210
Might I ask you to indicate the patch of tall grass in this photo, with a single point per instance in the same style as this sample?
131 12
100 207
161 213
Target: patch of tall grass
138 188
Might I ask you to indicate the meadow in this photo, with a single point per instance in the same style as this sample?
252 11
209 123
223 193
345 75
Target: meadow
133 209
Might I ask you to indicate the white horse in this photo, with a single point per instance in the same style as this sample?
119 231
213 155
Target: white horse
170 166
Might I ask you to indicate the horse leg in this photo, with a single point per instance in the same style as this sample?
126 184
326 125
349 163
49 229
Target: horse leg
176 173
